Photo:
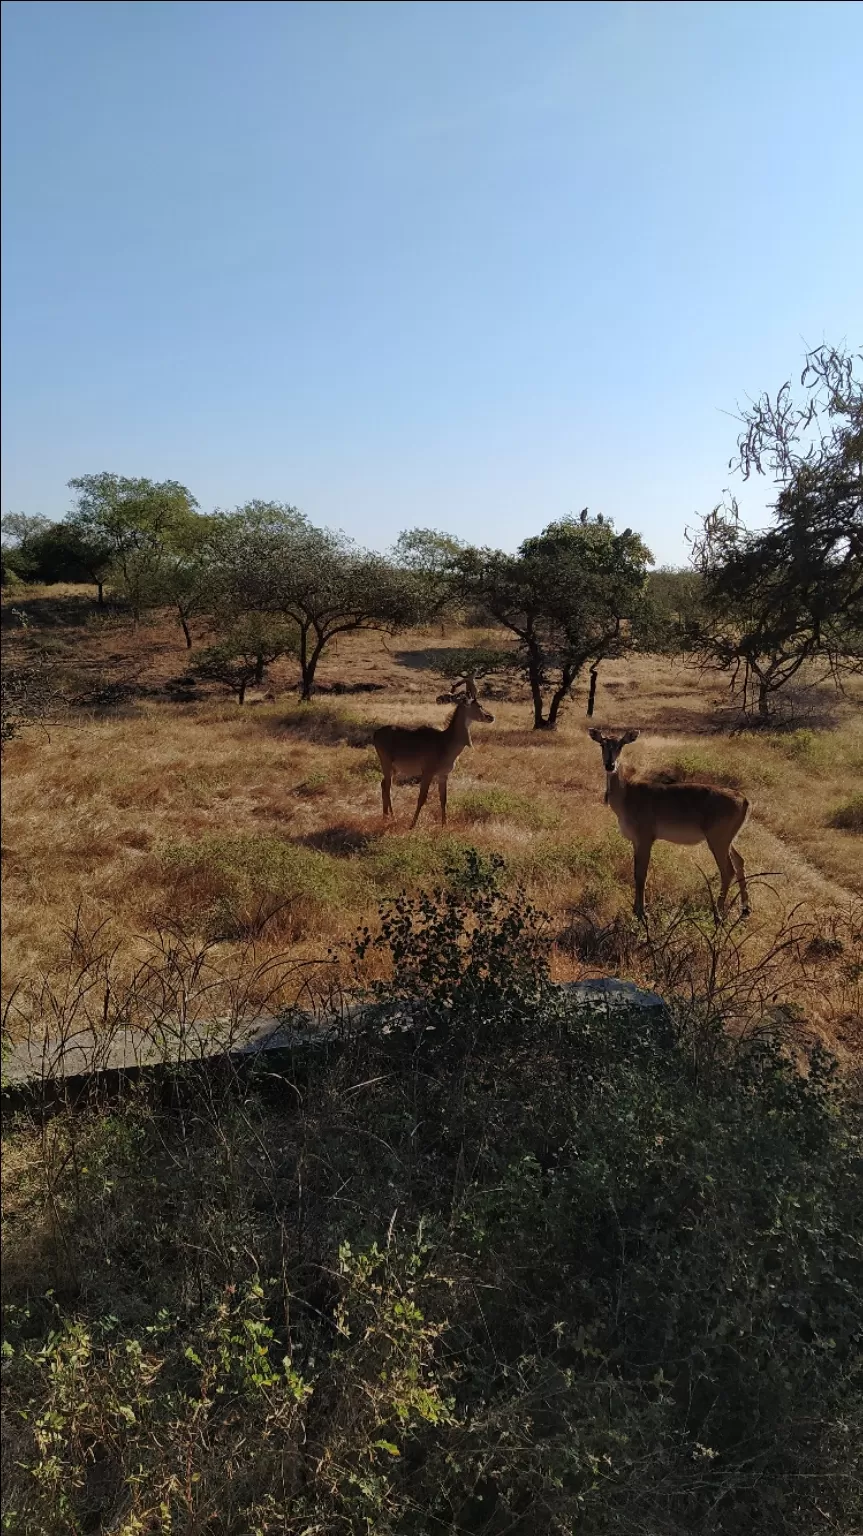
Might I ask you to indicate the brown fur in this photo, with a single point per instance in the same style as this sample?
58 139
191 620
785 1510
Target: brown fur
425 752
674 813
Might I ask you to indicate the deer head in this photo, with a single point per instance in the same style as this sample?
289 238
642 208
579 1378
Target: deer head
612 746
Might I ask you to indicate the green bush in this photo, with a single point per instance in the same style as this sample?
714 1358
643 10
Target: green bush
525 1268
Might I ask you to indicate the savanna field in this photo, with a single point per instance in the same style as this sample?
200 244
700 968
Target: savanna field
172 808
529 1270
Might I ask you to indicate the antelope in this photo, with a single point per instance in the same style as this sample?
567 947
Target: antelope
674 813
426 751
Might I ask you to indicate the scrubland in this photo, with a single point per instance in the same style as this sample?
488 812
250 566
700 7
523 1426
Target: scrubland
171 809
523 1269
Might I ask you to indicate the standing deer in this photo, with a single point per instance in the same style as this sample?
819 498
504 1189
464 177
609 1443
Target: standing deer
674 813
427 752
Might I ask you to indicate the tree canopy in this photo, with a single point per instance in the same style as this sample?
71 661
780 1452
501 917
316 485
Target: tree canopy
789 594
572 596
272 560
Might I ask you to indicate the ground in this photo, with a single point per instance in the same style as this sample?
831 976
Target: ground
153 809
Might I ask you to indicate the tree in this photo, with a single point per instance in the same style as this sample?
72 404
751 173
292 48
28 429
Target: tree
18 531
190 580
142 523
572 596
243 655
432 558
52 552
272 560
790 594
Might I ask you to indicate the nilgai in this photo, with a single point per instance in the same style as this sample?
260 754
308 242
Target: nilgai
427 753
674 813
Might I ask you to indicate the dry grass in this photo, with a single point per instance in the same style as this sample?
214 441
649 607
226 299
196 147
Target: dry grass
264 821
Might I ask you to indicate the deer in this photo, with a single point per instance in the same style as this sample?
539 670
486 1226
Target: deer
674 813
427 752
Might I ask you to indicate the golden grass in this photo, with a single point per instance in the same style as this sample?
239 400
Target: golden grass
265 819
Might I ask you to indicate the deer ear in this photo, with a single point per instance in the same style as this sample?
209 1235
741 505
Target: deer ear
631 736
594 734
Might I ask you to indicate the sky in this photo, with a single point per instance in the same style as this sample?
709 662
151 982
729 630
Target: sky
450 265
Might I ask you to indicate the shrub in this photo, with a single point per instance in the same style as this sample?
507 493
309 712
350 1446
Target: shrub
527 1268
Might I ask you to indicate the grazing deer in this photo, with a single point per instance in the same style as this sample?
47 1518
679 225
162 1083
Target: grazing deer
674 813
427 752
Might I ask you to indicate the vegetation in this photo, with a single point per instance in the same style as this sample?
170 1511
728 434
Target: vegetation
789 595
244 654
490 1260
524 1268
273 561
571 596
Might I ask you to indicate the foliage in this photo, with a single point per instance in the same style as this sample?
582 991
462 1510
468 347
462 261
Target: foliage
778 598
573 595
244 654
433 560
677 599
50 552
274 561
520 1267
145 525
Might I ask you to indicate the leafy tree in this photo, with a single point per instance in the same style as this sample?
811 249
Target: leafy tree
572 596
433 559
52 552
142 523
676 596
792 593
243 655
272 560
18 532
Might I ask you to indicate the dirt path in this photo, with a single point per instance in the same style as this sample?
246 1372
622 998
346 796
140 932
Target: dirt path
797 876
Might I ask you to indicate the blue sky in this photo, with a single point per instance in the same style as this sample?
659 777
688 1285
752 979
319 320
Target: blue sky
466 266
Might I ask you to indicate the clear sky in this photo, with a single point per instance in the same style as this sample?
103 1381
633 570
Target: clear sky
467 266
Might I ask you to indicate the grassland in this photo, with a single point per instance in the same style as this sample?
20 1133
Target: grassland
230 825
531 1269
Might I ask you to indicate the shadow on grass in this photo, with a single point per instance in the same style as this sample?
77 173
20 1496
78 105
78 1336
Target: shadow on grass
680 719
340 841
317 721
66 612
433 658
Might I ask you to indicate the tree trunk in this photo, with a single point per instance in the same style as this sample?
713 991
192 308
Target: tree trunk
591 697
259 667
185 629
763 700
241 691
310 667
100 594
567 678
535 677
305 678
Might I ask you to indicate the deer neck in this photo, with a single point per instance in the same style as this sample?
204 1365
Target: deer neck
459 728
615 789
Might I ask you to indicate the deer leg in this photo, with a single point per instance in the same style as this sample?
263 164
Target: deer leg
425 786
441 789
386 783
642 864
726 871
740 871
